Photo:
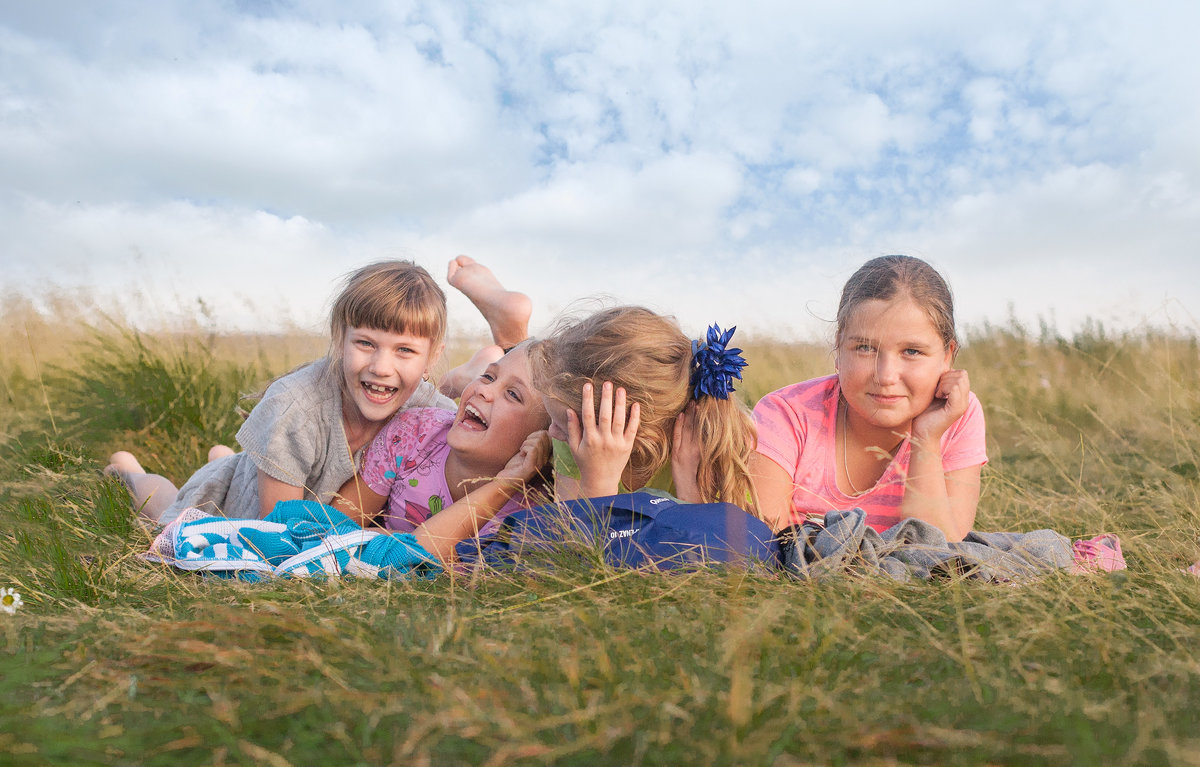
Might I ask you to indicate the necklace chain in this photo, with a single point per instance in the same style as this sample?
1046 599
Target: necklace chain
844 416
854 491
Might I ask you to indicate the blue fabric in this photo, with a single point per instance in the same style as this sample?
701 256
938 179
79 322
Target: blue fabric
298 538
631 530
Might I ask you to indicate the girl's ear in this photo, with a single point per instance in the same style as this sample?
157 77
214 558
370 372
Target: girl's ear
435 355
951 353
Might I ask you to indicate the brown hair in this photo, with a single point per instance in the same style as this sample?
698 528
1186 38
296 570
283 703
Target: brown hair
650 357
887 277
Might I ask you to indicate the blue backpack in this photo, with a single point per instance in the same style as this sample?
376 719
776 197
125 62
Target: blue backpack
629 530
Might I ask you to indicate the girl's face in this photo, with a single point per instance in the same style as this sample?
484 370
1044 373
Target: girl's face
498 411
381 370
889 360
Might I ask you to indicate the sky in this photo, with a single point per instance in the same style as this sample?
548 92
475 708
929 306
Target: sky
723 162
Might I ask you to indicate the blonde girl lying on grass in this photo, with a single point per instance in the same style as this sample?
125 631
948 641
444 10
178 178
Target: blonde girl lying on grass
446 476
306 437
634 403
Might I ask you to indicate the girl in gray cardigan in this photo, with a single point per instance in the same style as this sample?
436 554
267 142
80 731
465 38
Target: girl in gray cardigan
305 438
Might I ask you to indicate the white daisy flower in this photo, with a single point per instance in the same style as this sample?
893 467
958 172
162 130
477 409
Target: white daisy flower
10 600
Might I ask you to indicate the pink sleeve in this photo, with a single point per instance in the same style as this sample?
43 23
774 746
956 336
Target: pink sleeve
781 432
965 443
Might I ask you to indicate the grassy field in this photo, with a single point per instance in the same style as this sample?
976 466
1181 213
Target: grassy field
112 660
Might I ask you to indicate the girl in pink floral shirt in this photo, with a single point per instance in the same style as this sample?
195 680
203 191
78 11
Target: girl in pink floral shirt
427 459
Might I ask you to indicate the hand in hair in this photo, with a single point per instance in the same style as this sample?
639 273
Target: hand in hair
949 403
685 456
603 442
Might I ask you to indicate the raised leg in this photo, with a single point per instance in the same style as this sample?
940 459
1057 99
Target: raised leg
457 379
506 311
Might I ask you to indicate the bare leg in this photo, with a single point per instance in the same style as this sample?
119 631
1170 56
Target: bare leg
457 379
151 493
506 311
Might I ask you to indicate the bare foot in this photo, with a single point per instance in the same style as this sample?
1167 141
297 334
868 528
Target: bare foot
506 311
123 461
457 379
219 451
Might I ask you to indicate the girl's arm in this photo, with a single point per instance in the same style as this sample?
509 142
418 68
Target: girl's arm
601 445
358 501
462 519
271 491
774 487
946 500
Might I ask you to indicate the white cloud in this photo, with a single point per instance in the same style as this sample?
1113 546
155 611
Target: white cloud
686 154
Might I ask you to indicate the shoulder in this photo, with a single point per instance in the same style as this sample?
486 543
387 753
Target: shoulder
965 442
428 396
310 386
304 404
786 419
305 389
970 425
805 396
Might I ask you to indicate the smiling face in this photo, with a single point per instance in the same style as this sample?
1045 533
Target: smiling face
497 412
381 370
889 360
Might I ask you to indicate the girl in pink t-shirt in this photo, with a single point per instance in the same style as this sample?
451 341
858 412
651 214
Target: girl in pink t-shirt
896 432
424 463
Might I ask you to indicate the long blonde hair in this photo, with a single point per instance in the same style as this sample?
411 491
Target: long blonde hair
650 357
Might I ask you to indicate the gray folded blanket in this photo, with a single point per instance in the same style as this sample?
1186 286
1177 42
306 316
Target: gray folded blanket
916 549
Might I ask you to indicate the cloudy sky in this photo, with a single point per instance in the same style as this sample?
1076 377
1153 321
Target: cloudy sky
722 161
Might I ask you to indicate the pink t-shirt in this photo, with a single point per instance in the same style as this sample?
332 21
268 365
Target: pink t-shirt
407 463
797 428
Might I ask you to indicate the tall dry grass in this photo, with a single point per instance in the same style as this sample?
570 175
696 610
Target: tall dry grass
113 660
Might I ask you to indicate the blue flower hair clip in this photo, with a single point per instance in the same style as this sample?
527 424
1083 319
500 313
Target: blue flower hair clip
714 365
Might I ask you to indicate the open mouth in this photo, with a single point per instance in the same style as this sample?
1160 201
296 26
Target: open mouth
377 393
473 420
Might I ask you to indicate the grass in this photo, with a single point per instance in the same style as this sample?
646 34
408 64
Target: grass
112 660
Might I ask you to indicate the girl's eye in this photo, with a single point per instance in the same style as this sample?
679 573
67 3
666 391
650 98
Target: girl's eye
912 352
364 343
487 377
864 348
515 395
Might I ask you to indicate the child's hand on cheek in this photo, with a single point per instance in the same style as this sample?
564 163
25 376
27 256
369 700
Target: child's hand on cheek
533 455
603 442
949 403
